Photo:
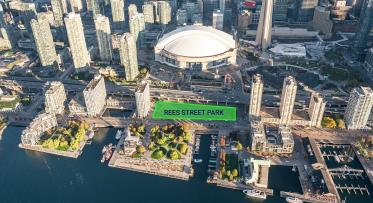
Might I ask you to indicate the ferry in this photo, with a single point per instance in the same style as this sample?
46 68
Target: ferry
118 135
255 193
197 160
293 200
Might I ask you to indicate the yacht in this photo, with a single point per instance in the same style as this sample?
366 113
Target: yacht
293 200
118 135
255 193
197 160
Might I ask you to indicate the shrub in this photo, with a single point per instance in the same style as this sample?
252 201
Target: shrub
173 154
235 173
183 148
140 149
328 122
157 154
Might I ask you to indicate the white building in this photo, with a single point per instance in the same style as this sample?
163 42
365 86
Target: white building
55 97
142 96
196 47
128 56
256 96
263 33
164 12
95 96
40 124
59 8
148 11
75 34
316 109
103 34
358 107
217 19
137 25
132 10
44 42
289 91
117 12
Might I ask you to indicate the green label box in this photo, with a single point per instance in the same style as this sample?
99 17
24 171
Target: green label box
166 110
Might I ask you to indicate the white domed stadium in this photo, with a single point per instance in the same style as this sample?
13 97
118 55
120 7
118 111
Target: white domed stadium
196 47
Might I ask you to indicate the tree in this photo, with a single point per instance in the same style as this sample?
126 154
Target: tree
183 148
180 139
186 136
157 154
234 172
231 177
141 129
328 122
151 146
140 149
173 155
341 124
162 140
239 146
228 173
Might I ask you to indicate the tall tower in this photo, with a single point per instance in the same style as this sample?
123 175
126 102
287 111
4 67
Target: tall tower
263 34
55 97
142 96
75 34
164 11
132 10
256 96
289 91
365 24
137 24
358 107
95 7
148 11
44 41
59 8
76 6
117 12
128 56
103 34
217 19
316 109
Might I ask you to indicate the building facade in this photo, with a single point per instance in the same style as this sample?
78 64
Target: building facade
95 96
117 13
148 11
142 96
41 123
306 10
365 25
316 109
217 19
44 42
75 34
59 8
280 10
256 96
264 31
55 97
289 91
358 107
164 12
103 34
128 56
137 25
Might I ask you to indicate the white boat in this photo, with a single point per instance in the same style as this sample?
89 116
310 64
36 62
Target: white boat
293 200
255 193
197 160
118 135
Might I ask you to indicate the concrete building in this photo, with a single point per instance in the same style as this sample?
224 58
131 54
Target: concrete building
322 22
132 10
358 107
164 12
59 8
256 96
196 47
76 6
243 21
365 25
41 123
191 8
137 25
368 63
95 96
103 34
208 8
305 10
280 10
148 11
316 109
218 19
75 34
263 33
117 13
128 56
44 42
289 91
181 17
55 97
142 96
96 7
26 12
197 19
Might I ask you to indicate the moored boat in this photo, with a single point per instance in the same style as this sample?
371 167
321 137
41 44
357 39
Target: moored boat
197 160
255 193
118 135
293 200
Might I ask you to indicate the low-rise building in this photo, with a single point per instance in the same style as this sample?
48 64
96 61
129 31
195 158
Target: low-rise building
41 123
55 97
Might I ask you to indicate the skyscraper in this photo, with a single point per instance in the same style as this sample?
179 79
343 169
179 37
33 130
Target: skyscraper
103 34
132 10
95 95
222 5
164 11
44 41
137 25
208 8
75 34
148 11
117 12
2 21
142 96
306 9
181 17
128 56
256 96
358 107
280 10
289 91
26 12
316 109
95 7
55 97
76 6
59 8
263 34
217 19
365 24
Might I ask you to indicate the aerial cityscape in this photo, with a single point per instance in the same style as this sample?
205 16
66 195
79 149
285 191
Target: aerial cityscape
186 101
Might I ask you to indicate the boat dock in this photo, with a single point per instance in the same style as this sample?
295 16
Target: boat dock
354 189
344 172
308 198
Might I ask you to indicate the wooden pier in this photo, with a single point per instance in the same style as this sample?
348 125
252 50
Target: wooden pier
353 188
